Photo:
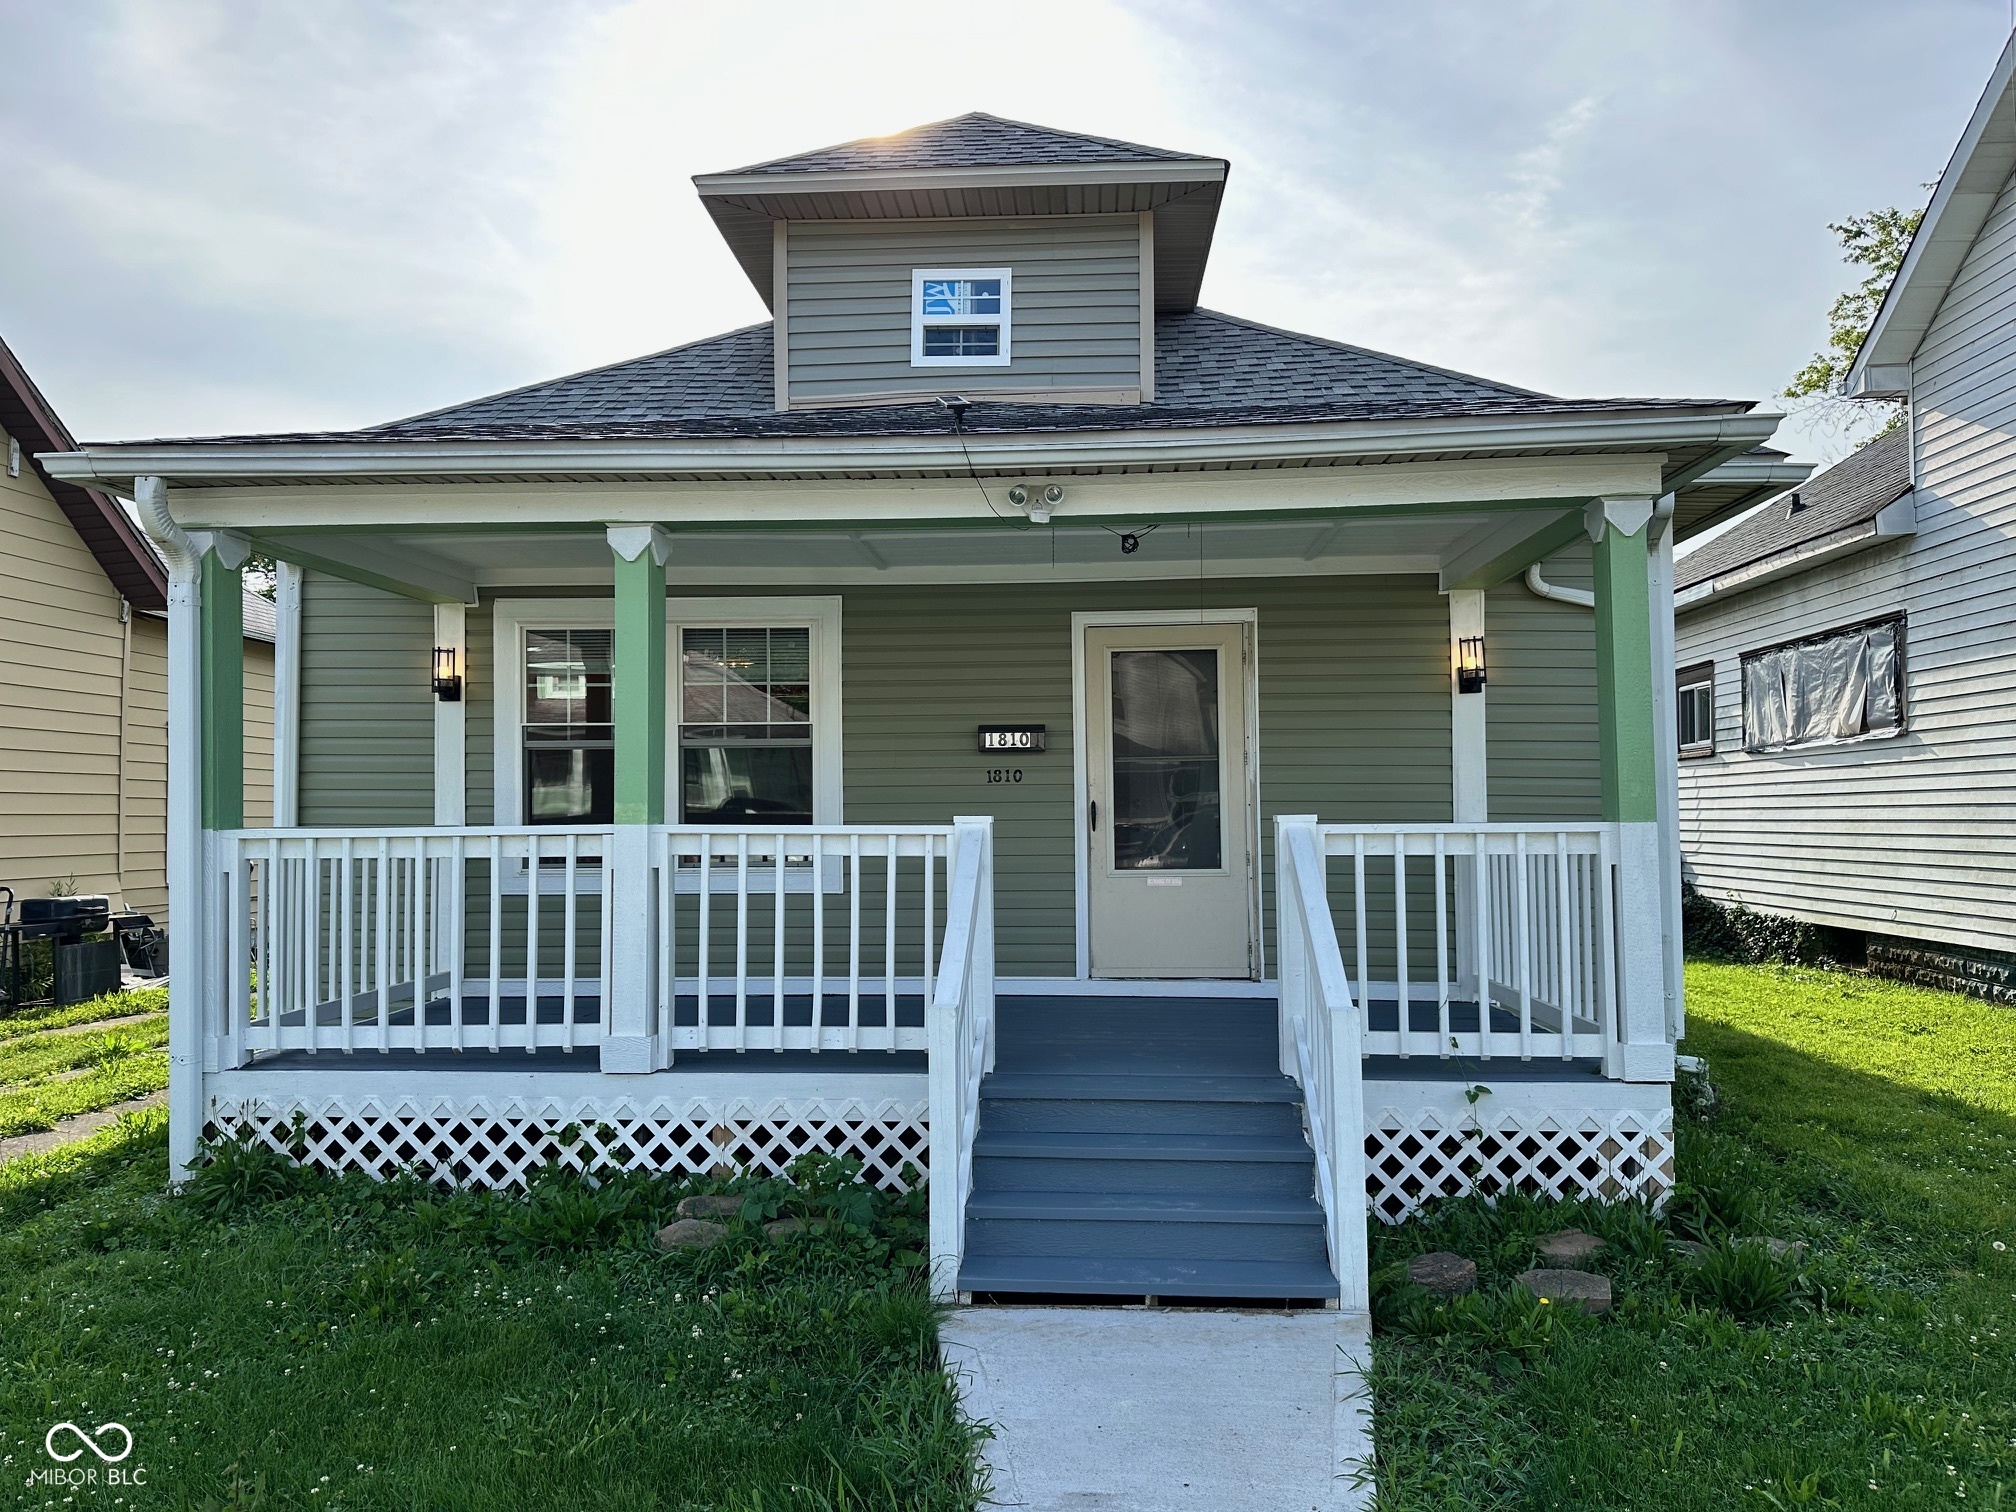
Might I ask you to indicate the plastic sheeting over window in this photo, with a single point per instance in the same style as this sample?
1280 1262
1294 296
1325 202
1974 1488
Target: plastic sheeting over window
1847 685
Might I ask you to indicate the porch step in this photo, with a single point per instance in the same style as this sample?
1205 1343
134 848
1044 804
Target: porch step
1142 1147
1092 1161
1054 1275
1145 1226
1146 1104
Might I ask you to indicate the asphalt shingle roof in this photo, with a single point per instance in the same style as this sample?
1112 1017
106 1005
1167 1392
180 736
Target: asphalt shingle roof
974 140
1210 370
1849 493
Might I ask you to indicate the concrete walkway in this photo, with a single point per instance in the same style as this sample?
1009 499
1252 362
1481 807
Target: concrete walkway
1136 1410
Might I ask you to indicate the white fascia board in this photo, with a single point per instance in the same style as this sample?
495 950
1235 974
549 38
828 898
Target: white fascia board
114 466
1967 191
874 180
1461 486
1894 521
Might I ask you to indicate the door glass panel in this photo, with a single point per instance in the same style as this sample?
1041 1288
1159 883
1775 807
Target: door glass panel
1166 810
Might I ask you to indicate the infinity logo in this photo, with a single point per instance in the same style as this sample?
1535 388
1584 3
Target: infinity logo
87 1441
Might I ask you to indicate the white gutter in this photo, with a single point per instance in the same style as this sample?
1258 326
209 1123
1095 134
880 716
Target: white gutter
115 465
1893 522
1581 598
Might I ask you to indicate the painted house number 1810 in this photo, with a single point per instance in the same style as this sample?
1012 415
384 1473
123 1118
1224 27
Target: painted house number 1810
1004 774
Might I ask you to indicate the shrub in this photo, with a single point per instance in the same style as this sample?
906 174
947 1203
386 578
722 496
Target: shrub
1731 932
1742 1278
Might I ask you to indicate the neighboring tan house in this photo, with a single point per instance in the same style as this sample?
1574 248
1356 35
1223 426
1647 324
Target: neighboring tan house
83 683
995 717
1847 657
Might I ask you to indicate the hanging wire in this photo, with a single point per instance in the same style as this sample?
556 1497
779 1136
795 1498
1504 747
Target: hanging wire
959 406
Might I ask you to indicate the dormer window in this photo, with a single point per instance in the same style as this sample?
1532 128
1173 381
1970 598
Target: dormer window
959 317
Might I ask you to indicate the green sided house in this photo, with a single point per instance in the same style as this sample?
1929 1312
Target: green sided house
996 719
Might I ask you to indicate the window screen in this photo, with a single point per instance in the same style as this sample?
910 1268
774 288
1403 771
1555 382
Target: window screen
1845 685
745 726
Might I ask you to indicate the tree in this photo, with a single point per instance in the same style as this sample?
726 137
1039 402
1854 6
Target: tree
1876 241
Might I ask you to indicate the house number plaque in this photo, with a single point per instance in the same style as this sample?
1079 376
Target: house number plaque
996 739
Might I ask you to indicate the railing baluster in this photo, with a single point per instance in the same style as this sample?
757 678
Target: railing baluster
1524 938
495 943
742 941
569 941
854 941
1442 944
706 935
382 936
532 859
1358 900
777 951
348 1039
930 913
818 942
665 863
454 940
1564 925
1480 862
1402 994
889 940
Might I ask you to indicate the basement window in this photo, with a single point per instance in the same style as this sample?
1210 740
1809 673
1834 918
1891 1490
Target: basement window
1694 712
1844 686
960 317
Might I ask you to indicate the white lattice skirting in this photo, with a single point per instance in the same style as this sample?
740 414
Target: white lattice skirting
479 1142
1413 1155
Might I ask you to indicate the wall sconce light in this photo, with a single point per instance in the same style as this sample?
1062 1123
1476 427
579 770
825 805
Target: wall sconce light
1470 664
448 674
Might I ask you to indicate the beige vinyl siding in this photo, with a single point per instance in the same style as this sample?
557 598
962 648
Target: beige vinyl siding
1912 836
61 650
1542 759
367 706
1076 305
84 717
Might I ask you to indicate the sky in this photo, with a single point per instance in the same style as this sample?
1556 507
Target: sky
226 216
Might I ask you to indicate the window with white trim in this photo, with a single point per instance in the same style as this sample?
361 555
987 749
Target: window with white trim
1846 685
752 708
960 317
1694 709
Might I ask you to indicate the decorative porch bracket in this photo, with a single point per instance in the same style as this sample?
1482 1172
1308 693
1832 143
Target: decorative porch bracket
1626 690
637 698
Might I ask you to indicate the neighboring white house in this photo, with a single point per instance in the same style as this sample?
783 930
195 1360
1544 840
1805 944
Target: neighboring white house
1847 657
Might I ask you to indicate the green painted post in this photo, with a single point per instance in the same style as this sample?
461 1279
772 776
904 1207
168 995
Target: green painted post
1624 690
637 687
221 689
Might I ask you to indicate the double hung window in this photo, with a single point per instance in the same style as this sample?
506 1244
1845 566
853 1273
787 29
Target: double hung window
569 740
745 726
960 317
1846 685
1694 711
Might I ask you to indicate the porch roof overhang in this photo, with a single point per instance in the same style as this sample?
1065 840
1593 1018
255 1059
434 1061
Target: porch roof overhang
1473 500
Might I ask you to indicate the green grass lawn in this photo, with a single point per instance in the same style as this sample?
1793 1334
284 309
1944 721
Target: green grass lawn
274 1339
56 1063
1874 1122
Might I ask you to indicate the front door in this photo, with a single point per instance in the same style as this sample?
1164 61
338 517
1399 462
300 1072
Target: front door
1169 812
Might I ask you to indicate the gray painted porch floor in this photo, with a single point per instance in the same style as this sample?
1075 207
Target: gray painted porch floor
1146 1410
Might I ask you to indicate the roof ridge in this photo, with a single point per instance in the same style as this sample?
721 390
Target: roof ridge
1365 351
1059 132
600 367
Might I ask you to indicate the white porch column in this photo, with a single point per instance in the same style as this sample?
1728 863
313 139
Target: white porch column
186 923
1666 753
286 695
638 675
451 765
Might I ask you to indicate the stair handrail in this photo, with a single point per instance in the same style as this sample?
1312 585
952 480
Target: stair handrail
960 1035
1320 1029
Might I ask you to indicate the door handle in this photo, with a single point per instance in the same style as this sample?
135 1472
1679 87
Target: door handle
1095 815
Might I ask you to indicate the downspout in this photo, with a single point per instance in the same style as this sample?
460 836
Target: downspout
1580 597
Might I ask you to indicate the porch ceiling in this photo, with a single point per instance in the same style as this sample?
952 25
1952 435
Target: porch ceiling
1010 549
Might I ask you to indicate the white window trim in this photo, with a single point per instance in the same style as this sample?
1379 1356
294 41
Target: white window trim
512 617
919 321
1704 746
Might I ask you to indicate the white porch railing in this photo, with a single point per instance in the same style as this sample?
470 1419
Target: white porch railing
1321 1034
814 938
407 939
1479 940
822 938
962 1045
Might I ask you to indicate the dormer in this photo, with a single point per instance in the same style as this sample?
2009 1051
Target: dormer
1001 260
